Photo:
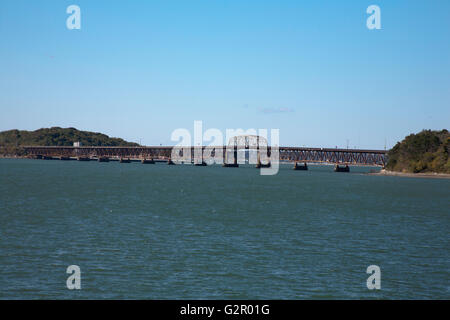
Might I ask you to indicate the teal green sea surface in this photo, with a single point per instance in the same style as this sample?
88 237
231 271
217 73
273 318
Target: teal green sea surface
184 232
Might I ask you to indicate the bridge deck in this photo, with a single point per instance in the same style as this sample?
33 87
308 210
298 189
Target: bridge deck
292 154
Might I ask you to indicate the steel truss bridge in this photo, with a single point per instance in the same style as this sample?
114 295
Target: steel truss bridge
358 157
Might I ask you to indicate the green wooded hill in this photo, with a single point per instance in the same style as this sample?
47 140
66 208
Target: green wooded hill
426 151
12 140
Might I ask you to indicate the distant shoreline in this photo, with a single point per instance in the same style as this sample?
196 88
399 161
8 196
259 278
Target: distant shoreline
12 157
432 175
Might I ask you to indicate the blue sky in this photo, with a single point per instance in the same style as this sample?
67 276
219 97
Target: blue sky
141 69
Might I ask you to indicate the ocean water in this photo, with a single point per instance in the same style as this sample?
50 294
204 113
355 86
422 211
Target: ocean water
184 232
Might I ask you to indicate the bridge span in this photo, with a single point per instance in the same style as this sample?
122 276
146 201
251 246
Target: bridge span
357 157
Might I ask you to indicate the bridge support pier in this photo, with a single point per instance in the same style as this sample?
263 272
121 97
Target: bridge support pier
235 163
300 167
230 165
261 165
338 168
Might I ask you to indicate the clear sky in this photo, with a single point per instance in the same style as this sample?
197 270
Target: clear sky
141 69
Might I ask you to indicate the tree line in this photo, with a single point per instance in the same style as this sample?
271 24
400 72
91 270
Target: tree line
426 151
12 140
